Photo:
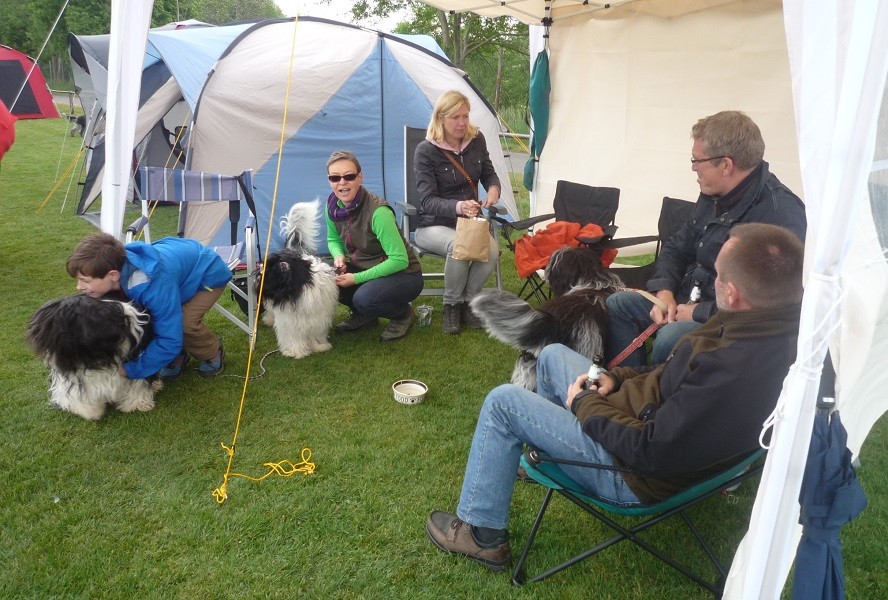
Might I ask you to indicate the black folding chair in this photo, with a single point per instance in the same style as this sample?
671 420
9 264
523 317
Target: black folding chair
574 203
674 213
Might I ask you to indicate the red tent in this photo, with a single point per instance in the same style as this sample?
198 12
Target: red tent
7 129
35 99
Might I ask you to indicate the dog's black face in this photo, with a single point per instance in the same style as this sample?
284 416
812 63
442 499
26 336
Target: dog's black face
287 273
79 332
578 267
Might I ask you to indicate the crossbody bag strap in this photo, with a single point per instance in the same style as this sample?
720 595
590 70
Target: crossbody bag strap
459 168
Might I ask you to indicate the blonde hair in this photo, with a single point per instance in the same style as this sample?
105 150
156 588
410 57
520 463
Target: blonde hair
447 104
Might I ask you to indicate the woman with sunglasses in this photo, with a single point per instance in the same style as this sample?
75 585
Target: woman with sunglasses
376 271
449 165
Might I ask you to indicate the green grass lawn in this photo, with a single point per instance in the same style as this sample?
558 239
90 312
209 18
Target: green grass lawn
123 507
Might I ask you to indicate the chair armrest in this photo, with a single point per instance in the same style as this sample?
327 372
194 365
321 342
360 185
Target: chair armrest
136 228
522 224
406 208
633 241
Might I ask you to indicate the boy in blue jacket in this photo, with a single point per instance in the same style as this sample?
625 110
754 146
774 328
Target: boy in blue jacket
176 280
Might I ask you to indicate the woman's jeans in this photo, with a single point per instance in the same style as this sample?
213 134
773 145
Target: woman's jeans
513 416
463 279
388 297
628 314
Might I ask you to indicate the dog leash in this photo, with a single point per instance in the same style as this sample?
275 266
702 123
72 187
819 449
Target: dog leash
637 342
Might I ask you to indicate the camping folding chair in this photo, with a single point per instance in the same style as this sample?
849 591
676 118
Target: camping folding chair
674 213
574 203
410 214
545 470
206 201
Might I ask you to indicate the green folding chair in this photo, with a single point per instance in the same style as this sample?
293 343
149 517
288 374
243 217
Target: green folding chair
545 470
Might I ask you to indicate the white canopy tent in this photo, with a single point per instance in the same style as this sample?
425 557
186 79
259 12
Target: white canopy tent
631 119
630 77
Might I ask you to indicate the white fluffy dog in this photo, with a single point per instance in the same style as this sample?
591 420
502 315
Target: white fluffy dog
300 293
85 342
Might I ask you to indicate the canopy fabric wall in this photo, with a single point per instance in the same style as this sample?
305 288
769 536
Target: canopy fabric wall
625 94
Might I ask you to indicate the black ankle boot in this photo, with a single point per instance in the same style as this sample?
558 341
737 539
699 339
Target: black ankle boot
451 319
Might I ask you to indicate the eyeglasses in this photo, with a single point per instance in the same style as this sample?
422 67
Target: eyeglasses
336 178
694 161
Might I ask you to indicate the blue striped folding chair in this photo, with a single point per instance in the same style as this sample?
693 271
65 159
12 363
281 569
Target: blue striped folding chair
207 201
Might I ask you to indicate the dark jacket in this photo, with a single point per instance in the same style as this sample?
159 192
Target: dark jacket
441 185
702 410
690 254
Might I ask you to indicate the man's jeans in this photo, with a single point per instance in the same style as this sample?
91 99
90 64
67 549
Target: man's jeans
512 416
628 314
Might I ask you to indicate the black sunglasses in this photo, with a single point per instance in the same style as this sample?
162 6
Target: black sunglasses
336 178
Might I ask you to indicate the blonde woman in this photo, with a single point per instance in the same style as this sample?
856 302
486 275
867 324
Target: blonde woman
448 191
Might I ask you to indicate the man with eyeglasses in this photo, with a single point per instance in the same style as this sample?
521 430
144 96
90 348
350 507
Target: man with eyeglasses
736 186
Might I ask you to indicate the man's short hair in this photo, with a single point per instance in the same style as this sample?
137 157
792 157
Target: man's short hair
96 255
765 263
344 155
731 133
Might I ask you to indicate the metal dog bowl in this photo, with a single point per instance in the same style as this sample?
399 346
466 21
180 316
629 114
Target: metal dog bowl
409 391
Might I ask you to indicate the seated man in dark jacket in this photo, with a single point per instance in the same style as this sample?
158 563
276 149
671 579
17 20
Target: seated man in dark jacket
672 425
735 187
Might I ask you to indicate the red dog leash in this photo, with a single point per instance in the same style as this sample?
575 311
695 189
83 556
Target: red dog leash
636 343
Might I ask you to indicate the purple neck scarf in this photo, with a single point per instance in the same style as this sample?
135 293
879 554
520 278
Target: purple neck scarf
341 213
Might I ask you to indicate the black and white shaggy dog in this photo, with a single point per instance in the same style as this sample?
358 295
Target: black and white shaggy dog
85 342
574 316
300 293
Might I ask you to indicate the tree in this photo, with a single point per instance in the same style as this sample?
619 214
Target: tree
26 23
492 51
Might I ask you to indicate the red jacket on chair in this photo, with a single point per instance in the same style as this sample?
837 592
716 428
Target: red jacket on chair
532 252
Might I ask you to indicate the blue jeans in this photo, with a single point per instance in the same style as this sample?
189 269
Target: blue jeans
628 314
513 416
388 297
463 279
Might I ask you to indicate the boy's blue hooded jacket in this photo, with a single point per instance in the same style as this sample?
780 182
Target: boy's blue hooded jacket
161 277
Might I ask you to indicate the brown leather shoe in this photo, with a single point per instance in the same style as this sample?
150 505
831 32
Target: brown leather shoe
454 536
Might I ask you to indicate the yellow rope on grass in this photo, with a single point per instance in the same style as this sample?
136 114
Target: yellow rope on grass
284 468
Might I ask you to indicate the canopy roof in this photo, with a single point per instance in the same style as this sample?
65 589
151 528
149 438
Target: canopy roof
537 11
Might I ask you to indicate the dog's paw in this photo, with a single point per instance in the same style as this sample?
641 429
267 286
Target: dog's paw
322 346
299 352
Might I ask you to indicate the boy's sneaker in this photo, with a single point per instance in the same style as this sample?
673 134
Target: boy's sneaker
175 369
213 366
